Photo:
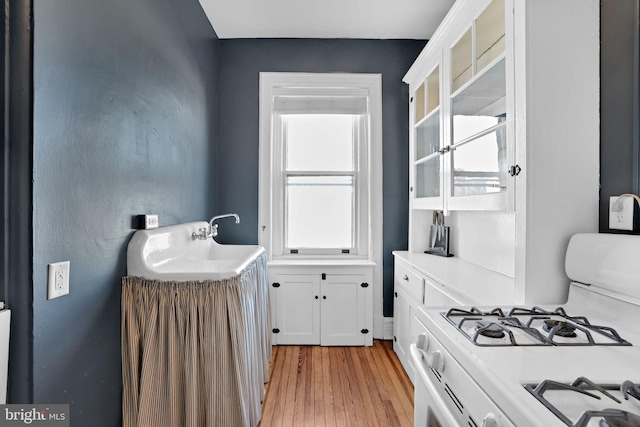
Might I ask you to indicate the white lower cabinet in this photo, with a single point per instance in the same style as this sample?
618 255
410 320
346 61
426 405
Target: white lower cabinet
321 306
403 312
412 289
408 293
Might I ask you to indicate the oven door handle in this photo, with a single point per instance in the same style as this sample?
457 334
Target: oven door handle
444 415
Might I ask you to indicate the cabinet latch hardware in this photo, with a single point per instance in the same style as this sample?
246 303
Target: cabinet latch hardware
275 330
324 276
364 285
276 285
515 170
364 331
444 150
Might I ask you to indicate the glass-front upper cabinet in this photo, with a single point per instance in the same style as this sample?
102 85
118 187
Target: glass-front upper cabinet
479 133
427 161
461 116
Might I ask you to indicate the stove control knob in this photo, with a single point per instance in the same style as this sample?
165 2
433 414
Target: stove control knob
437 361
422 342
490 420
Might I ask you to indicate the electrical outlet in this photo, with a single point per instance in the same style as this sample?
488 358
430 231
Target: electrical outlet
58 279
150 221
621 213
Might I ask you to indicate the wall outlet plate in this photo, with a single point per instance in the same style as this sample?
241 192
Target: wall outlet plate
58 279
150 221
621 213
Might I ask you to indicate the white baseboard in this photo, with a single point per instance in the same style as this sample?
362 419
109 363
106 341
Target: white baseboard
387 328
382 328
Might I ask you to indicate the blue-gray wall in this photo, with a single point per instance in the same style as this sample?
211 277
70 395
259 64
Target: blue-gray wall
125 107
619 103
241 62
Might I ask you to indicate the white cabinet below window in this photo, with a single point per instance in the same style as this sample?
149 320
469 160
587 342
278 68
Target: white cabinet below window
321 305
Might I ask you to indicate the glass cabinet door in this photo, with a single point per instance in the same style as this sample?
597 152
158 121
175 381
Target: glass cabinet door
428 177
480 166
426 156
479 138
478 160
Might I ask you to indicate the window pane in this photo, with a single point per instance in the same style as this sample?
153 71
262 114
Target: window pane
480 166
319 142
319 212
428 178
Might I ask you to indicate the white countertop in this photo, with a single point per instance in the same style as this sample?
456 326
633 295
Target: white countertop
477 284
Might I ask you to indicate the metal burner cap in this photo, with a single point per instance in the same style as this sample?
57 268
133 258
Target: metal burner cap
566 330
618 418
489 329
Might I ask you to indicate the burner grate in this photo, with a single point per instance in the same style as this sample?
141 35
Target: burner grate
608 416
559 327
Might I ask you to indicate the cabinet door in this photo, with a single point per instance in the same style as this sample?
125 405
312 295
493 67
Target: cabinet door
481 118
342 310
402 315
426 143
297 309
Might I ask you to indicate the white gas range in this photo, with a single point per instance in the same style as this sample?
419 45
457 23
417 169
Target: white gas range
576 365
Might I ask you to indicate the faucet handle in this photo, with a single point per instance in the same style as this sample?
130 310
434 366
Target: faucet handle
213 232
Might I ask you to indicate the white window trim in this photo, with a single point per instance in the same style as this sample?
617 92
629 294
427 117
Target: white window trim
270 83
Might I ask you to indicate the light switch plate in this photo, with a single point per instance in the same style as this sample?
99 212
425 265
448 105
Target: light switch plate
58 279
621 213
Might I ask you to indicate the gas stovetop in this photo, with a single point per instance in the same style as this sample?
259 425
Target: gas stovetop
525 359
582 402
534 326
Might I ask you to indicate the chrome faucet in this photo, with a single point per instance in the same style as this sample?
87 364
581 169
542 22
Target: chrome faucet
213 228
212 232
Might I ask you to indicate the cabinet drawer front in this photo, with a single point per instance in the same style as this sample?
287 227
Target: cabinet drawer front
412 283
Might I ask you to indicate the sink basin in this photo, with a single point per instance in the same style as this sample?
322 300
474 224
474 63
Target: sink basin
169 253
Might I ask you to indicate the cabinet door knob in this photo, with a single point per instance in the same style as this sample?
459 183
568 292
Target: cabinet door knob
324 297
316 296
405 277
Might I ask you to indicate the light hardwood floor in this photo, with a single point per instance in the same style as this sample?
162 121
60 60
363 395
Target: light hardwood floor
337 386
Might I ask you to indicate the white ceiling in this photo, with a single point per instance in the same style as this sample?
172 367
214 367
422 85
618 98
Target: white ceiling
360 19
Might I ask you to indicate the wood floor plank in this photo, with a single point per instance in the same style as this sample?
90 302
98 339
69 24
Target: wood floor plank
337 387
327 389
318 389
275 381
376 390
289 397
400 389
340 400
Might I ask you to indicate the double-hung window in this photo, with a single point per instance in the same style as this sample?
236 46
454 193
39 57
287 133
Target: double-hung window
317 169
